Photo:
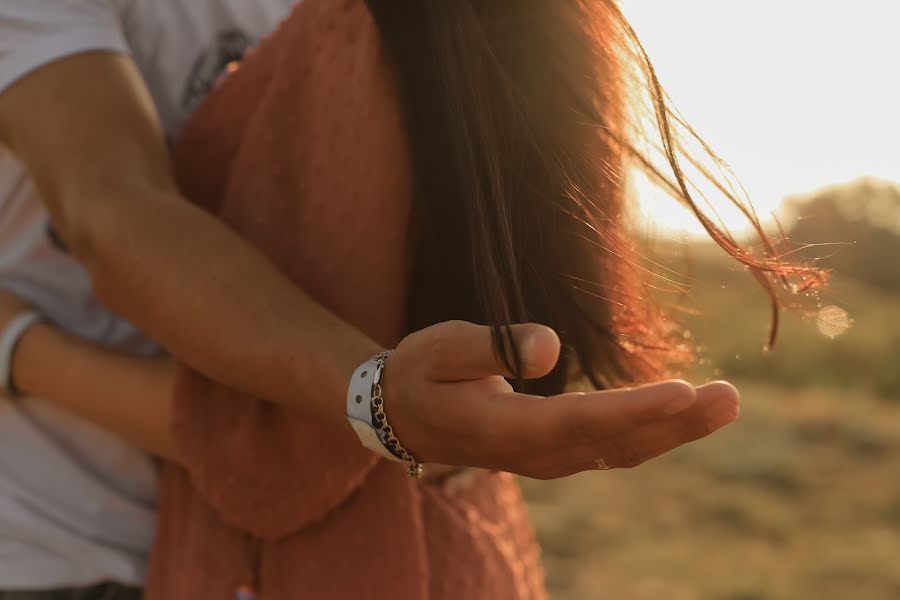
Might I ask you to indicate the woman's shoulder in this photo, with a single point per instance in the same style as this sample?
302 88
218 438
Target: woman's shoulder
324 51
324 25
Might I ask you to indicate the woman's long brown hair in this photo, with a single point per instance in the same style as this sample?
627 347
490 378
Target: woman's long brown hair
521 119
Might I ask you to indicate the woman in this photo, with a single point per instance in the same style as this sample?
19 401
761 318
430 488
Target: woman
406 163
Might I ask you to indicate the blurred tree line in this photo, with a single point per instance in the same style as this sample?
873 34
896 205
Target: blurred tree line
862 219
852 229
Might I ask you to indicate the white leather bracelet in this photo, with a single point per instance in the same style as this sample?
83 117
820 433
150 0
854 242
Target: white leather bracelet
9 339
359 408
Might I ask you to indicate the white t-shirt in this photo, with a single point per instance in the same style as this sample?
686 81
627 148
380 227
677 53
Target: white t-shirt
76 503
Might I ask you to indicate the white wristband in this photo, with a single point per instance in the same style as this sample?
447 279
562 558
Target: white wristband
359 408
9 339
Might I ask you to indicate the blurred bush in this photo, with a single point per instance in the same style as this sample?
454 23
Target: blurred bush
853 230
862 216
800 499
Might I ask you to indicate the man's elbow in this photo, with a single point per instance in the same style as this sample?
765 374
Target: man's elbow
84 223
101 227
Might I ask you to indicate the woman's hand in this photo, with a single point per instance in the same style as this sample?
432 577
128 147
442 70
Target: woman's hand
448 402
91 381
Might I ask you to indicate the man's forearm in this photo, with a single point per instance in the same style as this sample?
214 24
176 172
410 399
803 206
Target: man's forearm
216 302
87 129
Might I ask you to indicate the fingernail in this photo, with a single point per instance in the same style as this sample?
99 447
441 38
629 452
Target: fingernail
682 400
725 414
526 343
526 346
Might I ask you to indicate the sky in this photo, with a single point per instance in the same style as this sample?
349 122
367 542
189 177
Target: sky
794 94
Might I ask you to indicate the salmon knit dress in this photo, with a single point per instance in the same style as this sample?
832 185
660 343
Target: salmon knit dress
302 152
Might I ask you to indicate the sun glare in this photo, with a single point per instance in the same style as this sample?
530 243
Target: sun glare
794 95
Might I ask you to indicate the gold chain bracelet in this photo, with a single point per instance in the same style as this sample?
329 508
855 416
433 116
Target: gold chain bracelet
413 467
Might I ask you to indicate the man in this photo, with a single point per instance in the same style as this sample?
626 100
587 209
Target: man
88 131
76 502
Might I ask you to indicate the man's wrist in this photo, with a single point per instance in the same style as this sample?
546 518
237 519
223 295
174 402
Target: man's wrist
345 366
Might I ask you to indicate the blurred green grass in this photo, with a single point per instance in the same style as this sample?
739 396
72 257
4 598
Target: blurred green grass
733 317
798 500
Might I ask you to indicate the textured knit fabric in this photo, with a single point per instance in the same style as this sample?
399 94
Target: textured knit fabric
302 152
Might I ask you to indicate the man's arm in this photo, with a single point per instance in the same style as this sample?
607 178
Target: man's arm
87 130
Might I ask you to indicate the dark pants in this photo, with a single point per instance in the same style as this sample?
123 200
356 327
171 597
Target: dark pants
104 591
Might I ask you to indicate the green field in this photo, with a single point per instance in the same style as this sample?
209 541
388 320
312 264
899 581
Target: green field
800 499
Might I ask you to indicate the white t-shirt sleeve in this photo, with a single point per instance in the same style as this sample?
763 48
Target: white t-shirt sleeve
36 32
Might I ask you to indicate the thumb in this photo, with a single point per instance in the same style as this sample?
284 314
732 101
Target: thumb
463 351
